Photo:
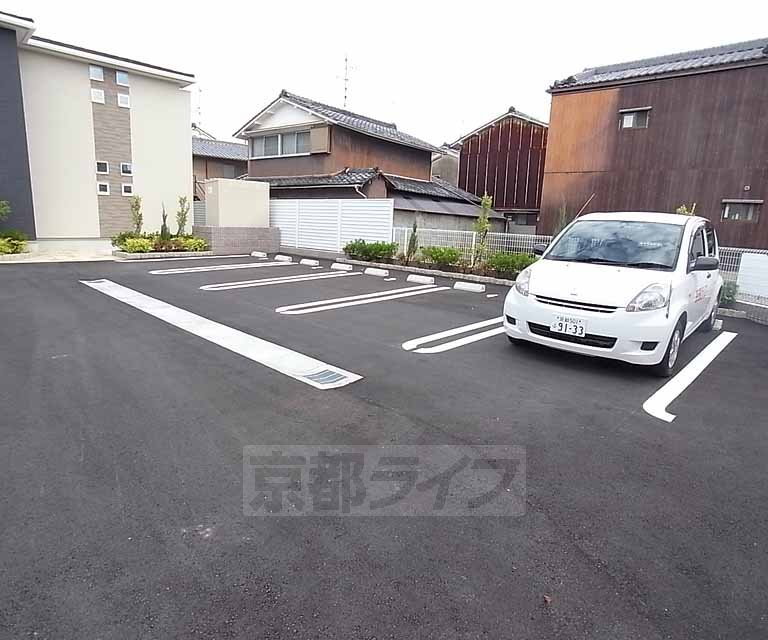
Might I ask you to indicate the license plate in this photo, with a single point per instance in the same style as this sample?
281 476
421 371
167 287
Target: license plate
571 326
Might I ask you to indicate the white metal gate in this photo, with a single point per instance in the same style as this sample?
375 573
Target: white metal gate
327 225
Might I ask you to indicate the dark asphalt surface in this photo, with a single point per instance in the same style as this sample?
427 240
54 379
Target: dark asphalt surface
121 453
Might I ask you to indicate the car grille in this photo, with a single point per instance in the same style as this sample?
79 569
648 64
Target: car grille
574 304
590 340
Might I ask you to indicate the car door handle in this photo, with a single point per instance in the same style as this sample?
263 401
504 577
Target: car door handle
709 275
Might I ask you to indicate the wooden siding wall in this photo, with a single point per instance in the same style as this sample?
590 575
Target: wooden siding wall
707 139
506 161
350 149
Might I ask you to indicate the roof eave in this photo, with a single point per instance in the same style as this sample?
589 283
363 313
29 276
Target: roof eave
657 76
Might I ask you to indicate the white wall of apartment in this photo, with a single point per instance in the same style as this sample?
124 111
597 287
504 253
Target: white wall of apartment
59 119
161 148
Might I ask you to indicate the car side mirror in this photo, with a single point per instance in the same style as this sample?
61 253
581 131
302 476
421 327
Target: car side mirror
705 263
539 249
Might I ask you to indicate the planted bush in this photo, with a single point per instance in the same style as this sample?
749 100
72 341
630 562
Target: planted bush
138 245
192 244
370 251
12 241
728 293
509 264
442 256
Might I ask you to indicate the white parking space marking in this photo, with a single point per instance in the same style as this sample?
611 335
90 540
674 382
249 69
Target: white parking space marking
353 301
410 345
389 279
220 267
296 365
264 282
447 346
657 404
143 260
492 295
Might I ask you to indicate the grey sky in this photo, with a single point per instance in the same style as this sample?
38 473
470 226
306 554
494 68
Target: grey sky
437 69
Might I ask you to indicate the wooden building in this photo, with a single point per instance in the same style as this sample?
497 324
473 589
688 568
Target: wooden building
505 159
655 134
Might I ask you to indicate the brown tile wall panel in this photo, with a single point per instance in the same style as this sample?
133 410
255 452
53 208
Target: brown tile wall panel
112 138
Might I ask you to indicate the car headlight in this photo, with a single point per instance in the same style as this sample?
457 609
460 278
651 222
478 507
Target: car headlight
654 296
522 282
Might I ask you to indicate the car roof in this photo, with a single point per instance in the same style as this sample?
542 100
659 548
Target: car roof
642 216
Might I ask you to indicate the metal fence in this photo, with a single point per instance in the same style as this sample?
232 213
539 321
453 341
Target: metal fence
746 268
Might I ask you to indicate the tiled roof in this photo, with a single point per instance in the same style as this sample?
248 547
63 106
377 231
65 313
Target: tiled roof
512 113
219 149
356 122
704 59
348 178
436 188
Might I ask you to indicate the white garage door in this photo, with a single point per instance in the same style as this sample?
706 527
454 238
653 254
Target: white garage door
328 225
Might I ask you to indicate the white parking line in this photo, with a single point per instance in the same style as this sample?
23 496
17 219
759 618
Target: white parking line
220 267
353 301
412 344
657 404
264 282
296 365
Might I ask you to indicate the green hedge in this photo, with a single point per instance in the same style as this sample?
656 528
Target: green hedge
12 241
371 251
442 256
509 264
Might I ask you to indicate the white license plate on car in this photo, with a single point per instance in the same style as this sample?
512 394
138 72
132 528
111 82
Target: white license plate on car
575 327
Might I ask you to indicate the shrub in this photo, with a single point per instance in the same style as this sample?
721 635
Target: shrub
413 244
165 232
119 240
728 293
5 209
12 241
192 244
370 251
441 256
182 214
138 245
137 217
509 264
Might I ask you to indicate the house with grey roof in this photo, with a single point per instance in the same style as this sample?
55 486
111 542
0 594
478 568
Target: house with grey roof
687 128
213 158
307 149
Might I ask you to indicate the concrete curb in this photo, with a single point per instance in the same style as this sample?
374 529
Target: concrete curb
473 287
123 255
731 313
432 272
373 271
14 257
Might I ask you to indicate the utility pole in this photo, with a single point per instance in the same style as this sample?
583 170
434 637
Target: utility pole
346 79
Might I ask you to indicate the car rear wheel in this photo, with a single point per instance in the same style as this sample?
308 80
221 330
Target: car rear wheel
666 367
710 322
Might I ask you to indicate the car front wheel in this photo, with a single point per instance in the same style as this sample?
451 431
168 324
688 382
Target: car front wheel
666 367
710 322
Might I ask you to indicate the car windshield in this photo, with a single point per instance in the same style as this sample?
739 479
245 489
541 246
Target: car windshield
637 244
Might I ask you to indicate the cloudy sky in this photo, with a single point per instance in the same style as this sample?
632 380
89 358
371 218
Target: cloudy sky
437 69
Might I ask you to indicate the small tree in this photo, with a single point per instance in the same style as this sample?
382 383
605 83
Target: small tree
481 227
182 214
413 244
683 209
165 232
5 210
137 218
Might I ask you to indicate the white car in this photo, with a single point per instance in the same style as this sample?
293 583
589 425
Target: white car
627 286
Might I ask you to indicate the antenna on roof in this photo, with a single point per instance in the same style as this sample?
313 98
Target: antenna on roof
346 78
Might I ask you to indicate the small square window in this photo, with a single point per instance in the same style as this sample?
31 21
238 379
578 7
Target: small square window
124 100
127 189
102 167
740 212
121 78
97 95
126 169
96 73
102 188
633 119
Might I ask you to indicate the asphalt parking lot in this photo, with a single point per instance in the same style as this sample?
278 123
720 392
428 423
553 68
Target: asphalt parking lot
129 391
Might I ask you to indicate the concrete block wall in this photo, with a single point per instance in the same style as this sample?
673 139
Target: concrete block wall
223 240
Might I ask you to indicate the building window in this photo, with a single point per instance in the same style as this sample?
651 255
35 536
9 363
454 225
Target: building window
634 118
121 78
97 95
102 167
741 211
280 144
102 188
124 100
126 169
127 189
96 73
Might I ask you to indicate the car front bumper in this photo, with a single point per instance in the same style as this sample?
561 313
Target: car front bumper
639 337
